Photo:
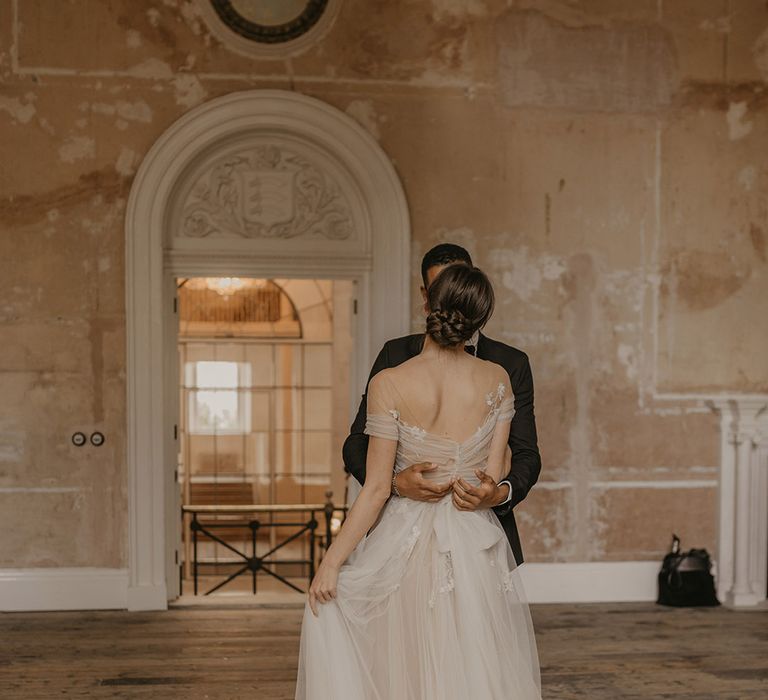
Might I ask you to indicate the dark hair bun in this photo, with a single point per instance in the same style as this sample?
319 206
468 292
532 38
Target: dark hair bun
461 301
449 327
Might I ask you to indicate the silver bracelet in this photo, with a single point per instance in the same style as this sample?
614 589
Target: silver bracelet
394 485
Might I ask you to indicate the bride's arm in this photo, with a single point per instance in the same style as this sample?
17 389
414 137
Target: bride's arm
496 465
362 515
368 505
498 451
365 510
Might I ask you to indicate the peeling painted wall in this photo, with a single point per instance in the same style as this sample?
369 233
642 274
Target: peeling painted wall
603 160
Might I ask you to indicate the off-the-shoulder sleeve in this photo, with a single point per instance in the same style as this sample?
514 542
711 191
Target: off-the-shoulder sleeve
381 418
507 403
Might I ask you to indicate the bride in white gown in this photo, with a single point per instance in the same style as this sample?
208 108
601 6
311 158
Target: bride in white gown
420 600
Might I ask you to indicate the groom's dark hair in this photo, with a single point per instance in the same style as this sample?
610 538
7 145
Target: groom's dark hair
443 254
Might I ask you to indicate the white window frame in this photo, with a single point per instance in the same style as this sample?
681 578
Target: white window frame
244 426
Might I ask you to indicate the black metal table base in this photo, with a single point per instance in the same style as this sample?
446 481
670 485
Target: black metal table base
251 561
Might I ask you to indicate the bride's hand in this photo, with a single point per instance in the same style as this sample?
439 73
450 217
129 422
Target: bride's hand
323 586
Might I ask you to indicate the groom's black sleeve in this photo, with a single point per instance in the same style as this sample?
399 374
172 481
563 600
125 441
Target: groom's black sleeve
355 449
523 441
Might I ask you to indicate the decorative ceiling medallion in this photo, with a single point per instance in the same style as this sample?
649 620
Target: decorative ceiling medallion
268 28
270 22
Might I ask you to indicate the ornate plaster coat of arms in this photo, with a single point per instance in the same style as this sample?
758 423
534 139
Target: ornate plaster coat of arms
266 192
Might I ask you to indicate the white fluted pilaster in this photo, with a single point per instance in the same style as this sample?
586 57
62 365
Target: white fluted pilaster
743 517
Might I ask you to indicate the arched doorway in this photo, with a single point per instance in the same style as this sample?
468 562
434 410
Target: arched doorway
265 184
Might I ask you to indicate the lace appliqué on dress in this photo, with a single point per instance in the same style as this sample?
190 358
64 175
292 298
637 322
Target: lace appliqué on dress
408 544
494 400
399 504
406 548
506 576
507 583
444 582
415 430
503 406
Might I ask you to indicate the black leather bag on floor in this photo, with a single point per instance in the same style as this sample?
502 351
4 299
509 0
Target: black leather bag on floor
685 578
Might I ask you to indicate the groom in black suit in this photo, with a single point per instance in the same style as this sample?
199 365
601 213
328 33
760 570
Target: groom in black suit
525 462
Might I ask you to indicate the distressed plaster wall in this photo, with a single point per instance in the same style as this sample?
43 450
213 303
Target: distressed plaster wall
603 160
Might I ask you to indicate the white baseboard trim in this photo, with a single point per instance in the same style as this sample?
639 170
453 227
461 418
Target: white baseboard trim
107 589
590 582
81 588
147 598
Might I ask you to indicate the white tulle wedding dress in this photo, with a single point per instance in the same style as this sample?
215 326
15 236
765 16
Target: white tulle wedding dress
430 605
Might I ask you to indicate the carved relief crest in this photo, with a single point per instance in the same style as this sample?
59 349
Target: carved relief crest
266 192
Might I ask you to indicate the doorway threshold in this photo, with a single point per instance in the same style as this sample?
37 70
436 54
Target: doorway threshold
267 599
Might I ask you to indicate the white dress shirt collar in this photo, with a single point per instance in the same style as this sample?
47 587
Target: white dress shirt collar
474 340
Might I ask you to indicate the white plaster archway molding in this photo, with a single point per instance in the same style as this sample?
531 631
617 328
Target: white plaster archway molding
328 203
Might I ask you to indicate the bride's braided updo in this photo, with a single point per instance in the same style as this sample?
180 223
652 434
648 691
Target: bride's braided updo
461 301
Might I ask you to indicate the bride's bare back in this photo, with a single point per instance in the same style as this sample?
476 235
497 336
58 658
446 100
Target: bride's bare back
443 392
438 406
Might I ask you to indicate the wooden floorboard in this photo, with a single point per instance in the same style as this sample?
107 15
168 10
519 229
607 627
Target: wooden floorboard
597 651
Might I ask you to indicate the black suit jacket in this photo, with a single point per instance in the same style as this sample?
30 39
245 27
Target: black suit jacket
526 461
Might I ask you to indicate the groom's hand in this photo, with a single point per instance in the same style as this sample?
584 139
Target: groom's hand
486 495
411 483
